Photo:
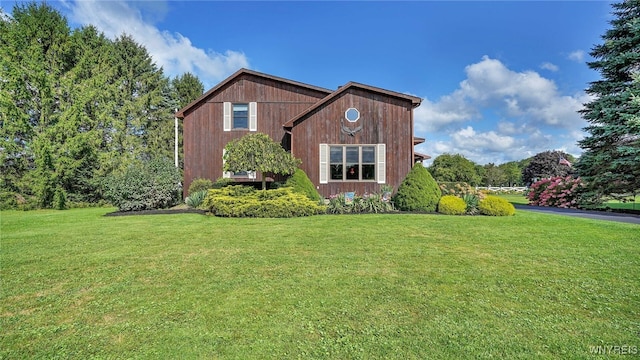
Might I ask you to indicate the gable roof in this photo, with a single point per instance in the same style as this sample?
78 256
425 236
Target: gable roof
237 74
415 101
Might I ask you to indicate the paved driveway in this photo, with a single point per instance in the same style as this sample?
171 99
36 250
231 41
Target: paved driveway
600 215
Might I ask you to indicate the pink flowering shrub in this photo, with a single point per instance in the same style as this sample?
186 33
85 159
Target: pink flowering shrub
560 191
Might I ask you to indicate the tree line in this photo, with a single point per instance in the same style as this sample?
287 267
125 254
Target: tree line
455 168
76 106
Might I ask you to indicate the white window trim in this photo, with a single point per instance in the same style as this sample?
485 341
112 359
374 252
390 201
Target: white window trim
380 162
228 116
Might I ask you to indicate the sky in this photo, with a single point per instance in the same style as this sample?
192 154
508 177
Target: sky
500 80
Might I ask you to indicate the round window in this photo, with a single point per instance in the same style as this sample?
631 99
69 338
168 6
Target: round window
352 114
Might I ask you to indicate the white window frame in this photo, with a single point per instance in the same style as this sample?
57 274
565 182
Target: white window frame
252 116
380 163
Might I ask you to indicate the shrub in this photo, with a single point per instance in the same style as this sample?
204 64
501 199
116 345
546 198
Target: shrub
496 206
558 191
451 205
472 201
195 199
243 201
418 191
198 185
222 182
373 203
8 200
300 183
145 185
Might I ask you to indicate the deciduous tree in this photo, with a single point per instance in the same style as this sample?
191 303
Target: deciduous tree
257 152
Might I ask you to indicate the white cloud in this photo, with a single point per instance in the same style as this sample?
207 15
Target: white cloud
577 56
549 66
498 114
171 51
525 95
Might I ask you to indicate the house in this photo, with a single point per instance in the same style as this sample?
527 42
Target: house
356 138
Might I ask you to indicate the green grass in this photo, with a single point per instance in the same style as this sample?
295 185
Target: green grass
515 198
76 284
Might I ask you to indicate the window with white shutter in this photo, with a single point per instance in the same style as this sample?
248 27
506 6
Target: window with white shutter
324 165
253 116
381 165
227 116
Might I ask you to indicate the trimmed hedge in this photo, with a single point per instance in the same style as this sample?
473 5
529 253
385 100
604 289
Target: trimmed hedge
301 184
244 201
418 191
452 205
496 206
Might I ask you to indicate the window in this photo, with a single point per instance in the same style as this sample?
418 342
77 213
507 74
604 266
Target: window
240 116
352 114
352 163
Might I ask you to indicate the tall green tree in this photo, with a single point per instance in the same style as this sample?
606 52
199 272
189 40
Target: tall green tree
187 87
34 55
512 173
493 175
454 168
257 152
610 163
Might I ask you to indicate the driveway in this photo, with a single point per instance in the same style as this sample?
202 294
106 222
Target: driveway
599 215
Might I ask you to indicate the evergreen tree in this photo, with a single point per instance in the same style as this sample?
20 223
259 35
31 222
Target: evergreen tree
610 163
33 57
188 88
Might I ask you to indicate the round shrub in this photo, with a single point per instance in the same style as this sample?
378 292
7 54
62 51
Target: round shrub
299 182
452 205
200 184
418 191
496 206
153 184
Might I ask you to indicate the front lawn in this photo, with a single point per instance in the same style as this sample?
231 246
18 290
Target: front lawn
76 284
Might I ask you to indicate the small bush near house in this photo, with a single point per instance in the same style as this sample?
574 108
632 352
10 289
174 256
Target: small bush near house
198 185
418 191
243 201
373 203
300 183
154 184
496 206
223 182
451 205
195 199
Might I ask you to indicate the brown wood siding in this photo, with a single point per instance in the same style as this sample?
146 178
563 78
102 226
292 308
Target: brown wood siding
384 119
204 135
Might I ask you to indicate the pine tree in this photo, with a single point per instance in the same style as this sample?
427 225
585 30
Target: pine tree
610 163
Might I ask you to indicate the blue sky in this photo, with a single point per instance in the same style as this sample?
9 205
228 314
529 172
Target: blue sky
500 80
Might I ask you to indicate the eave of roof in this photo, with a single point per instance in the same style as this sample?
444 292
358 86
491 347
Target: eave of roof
421 156
418 140
243 71
415 101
